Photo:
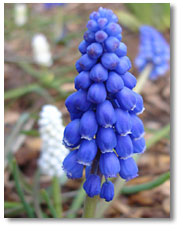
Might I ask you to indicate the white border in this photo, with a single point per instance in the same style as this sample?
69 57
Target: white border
176 145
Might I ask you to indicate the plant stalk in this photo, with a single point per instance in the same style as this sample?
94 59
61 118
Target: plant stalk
90 207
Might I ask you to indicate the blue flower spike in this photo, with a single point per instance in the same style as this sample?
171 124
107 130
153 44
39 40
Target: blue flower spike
105 131
154 50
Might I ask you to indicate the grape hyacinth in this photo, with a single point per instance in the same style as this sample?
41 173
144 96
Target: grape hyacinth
52 150
154 50
105 130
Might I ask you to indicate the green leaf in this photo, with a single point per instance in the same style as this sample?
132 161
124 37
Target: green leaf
146 186
154 14
27 207
32 132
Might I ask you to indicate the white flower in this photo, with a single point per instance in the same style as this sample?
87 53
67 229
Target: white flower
20 14
53 151
41 50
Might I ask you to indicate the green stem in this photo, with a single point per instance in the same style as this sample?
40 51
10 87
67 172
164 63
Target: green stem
146 186
27 207
36 200
77 202
143 77
90 207
49 203
57 197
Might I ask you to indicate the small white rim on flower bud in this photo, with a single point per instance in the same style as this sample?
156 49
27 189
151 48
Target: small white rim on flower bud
134 106
142 135
86 137
83 163
125 158
143 109
124 134
108 126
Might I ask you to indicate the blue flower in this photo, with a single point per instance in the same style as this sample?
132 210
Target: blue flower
51 5
83 47
129 80
123 122
97 93
86 63
109 164
100 36
106 139
105 129
153 49
77 102
126 99
137 127
94 50
87 152
128 169
71 134
107 191
92 185
83 80
105 114
110 61
114 83
123 66
121 50
124 147
88 125
139 104
139 145
98 73
111 44
73 169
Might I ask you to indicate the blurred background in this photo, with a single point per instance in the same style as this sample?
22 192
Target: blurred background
32 82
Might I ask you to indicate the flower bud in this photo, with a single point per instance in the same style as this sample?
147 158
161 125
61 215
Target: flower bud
121 50
129 80
137 127
83 47
124 147
128 169
100 36
106 139
71 167
111 44
97 93
109 164
123 122
94 50
87 152
113 29
83 80
71 134
126 99
88 125
107 191
114 83
92 185
110 61
105 114
139 145
98 73
124 65
86 63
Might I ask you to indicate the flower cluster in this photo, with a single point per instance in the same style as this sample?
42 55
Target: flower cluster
51 5
153 49
105 130
52 151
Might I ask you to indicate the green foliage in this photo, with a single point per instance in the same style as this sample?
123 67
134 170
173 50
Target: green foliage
155 14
